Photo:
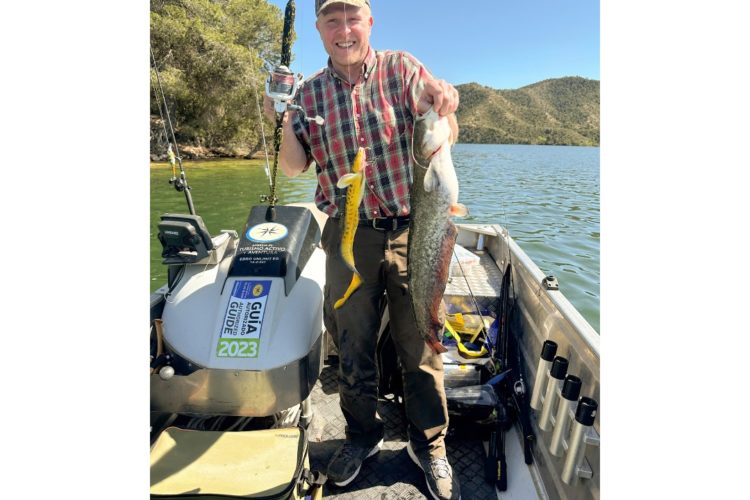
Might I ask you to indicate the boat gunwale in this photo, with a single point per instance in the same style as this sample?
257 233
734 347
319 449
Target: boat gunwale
561 302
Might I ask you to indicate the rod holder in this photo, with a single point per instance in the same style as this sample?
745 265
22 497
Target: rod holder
584 419
549 349
554 384
570 392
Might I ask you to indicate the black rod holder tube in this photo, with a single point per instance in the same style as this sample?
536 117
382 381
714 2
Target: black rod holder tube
549 349
585 416
570 392
556 376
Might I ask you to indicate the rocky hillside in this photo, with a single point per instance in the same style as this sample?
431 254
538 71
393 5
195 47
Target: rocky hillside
557 111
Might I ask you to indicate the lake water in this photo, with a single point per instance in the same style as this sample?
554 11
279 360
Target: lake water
547 196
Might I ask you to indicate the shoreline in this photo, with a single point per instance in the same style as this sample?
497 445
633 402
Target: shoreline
191 153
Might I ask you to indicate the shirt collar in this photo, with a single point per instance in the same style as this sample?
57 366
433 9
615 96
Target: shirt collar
367 66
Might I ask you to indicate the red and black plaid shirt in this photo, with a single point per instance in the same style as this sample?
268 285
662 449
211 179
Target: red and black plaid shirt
376 113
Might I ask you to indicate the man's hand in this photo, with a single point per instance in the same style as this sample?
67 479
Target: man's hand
268 108
440 95
271 113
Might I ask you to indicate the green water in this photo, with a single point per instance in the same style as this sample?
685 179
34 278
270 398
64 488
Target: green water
223 192
547 197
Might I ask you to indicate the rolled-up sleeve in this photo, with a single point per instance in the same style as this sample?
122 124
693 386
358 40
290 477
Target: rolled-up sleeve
415 78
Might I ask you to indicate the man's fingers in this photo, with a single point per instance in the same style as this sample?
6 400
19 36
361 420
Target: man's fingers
440 96
437 102
445 97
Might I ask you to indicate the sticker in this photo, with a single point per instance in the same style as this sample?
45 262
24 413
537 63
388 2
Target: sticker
243 319
267 232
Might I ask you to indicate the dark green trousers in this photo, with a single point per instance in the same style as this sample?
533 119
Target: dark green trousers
380 258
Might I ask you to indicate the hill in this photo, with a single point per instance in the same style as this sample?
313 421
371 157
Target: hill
562 111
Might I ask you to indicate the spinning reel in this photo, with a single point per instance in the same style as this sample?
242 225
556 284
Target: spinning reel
282 87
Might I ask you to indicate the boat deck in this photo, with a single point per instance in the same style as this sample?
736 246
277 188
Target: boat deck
391 474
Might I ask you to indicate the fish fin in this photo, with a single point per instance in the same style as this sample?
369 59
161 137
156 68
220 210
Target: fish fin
345 180
436 346
459 210
353 285
431 180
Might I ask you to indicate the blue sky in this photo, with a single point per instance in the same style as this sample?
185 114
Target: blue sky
503 44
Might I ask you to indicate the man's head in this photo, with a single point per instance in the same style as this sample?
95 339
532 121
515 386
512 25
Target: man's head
344 27
322 4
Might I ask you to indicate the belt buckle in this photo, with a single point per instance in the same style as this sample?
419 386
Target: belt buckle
374 224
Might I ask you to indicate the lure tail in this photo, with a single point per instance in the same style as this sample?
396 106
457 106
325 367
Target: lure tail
353 285
354 183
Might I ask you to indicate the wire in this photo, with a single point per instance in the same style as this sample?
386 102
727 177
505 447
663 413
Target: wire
262 128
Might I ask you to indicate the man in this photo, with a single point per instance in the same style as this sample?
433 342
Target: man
370 99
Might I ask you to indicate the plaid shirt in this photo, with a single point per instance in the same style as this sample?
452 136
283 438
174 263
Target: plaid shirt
376 113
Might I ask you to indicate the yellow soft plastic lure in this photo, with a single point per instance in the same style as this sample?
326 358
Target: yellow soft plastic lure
355 184
462 350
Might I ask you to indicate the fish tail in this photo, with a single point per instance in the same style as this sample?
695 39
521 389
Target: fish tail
353 285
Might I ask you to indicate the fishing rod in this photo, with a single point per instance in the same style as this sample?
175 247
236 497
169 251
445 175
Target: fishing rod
282 86
180 183
281 89
518 392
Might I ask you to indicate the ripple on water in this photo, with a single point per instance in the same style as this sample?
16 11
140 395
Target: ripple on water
532 191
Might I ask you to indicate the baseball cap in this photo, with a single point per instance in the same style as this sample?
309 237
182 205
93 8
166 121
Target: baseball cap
322 4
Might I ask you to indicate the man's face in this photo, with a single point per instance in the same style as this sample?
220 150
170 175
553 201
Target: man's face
345 32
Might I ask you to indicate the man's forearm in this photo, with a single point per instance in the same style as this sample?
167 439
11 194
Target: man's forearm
292 157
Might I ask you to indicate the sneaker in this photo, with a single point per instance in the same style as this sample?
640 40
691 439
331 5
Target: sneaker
346 462
438 474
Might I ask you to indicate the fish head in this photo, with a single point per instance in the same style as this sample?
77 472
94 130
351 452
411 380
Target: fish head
431 131
431 148
359 161
438 130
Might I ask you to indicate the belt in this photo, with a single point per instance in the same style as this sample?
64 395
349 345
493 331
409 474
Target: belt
386 223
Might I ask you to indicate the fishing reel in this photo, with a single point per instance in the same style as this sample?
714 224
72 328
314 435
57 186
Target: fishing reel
178 183
282 87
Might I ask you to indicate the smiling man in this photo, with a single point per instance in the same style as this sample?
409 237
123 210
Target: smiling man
370 99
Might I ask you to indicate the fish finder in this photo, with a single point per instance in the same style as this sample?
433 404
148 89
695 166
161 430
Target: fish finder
184 239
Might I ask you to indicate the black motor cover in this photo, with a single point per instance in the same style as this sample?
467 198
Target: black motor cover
277 242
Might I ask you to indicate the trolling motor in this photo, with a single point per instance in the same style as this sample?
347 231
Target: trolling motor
282 87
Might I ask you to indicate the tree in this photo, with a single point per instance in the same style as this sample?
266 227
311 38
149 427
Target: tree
211 57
